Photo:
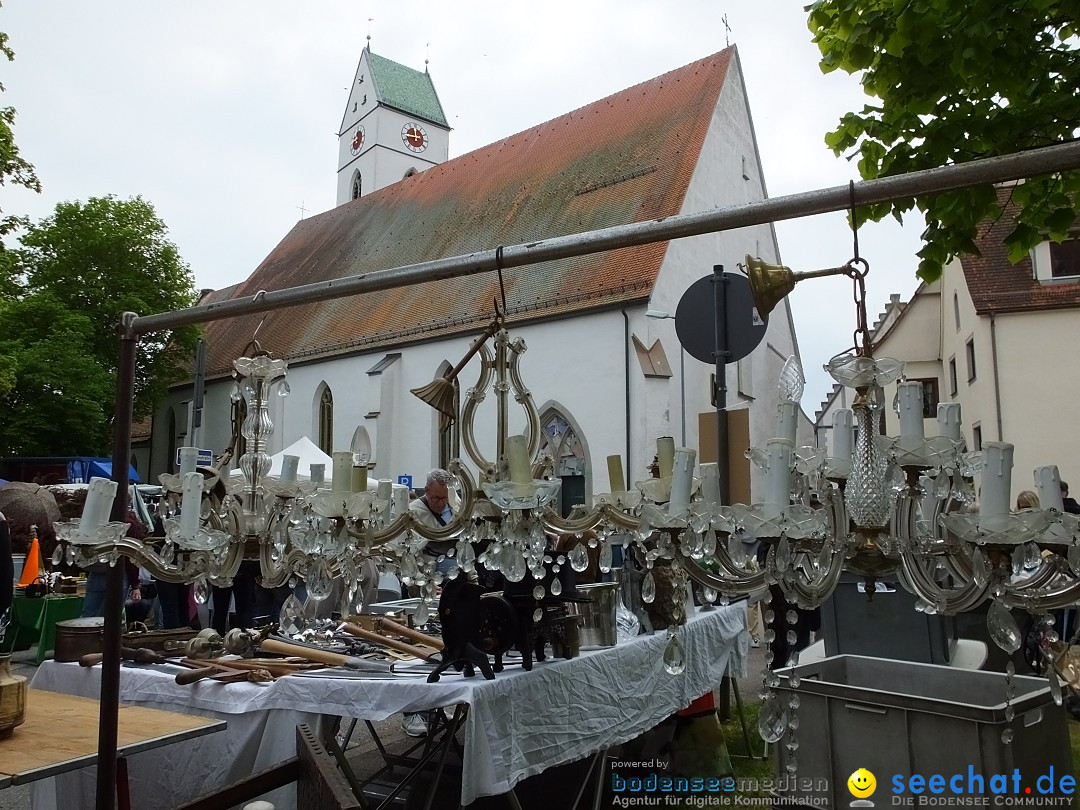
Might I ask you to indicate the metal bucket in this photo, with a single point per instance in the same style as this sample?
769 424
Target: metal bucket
77 637
598 616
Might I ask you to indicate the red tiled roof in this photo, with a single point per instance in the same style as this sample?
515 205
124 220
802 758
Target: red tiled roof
625 158
997 285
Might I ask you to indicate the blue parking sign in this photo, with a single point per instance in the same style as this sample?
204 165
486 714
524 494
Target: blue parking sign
406 480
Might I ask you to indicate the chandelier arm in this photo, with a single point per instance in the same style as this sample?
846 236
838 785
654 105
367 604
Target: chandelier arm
813 592
749 585
918 581
145 555
524 397
605 513
473 398
1066 596
723 557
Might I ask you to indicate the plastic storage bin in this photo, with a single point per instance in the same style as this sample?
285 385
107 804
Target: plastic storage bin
902 718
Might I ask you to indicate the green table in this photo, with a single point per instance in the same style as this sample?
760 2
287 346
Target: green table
34 620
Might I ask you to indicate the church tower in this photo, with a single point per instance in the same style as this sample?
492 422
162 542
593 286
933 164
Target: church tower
393 127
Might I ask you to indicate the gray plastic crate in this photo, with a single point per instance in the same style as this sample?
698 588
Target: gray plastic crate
897 717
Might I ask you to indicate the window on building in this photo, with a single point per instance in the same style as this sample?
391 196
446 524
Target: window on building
976 437
1065 259
956 309
952 376
971 359
357 186
1053 260
560 439
326 421
929 397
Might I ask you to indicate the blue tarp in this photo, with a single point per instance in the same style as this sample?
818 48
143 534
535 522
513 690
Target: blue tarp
81 470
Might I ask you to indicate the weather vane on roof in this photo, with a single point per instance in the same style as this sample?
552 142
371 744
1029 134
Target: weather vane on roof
370 20
727 31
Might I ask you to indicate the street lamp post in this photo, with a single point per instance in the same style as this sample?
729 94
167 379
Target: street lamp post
660 315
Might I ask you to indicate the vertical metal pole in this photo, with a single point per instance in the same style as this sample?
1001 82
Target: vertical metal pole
720 356
108 721
682 389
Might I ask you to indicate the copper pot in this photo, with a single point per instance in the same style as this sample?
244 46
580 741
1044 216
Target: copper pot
77 637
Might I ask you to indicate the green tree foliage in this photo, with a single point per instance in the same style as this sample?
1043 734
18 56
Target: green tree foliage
952 82
78 270
15 170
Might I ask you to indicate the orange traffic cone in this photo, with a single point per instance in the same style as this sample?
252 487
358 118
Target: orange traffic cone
32 567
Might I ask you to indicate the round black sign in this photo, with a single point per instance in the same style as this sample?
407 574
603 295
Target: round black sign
695 316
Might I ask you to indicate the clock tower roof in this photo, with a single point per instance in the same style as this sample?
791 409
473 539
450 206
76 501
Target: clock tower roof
410 91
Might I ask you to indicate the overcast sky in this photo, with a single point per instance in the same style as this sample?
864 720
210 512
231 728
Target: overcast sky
224 114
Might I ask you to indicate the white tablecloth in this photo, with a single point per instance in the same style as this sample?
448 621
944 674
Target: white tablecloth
519 724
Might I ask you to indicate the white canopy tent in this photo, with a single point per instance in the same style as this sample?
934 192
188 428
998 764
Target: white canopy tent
308 452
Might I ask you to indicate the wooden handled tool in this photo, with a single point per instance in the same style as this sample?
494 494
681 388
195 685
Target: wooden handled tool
143 655
272 645
383 626
418 652
219 672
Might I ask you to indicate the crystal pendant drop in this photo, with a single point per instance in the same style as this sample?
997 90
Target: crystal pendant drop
772 719
422 613
538 614
648 588
319 582
605 557
538 592
284 389
556 586
202 590
579 558
291 619
1073 556
514 565
674 656
58 554
1002 627
1007 736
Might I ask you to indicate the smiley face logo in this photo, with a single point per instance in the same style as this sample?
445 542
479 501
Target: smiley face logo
862 784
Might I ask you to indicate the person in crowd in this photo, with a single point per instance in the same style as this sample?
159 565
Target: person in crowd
1027 500
431 509
1070 504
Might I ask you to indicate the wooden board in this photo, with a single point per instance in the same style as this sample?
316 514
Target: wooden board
61 734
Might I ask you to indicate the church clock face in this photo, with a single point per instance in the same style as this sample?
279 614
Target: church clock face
414 137
358 140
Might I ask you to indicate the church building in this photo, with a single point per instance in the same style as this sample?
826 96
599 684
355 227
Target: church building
603 362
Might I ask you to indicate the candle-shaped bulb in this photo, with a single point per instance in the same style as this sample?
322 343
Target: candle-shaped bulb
359 478
517 457
343 464
948 417
786 420
189 457
99 499
289 466
401 500
191 505
843 433
682 480
909 401
710 483
996 485
665 455
1048 487
615 474
317 474
778 479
